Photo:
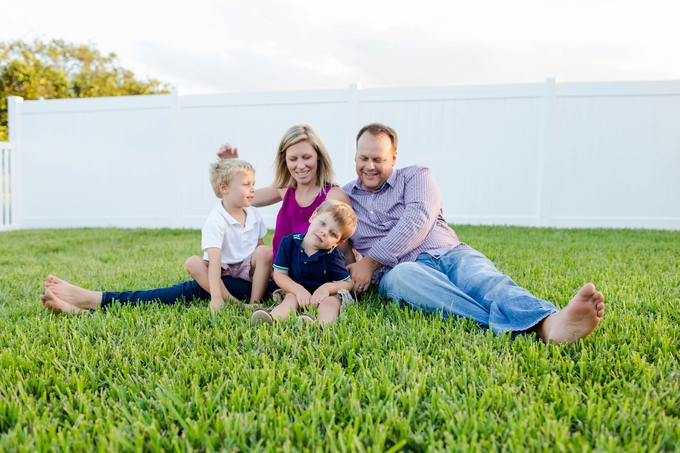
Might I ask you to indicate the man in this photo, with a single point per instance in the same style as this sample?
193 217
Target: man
415 258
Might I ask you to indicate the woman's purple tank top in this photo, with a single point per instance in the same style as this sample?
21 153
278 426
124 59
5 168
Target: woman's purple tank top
292 218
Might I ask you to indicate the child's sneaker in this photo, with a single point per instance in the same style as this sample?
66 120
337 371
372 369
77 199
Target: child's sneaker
261 316
305 319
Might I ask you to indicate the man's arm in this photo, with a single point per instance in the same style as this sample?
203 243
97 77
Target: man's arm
422 205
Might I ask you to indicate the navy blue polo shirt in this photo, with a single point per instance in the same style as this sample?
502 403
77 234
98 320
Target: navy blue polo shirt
324 266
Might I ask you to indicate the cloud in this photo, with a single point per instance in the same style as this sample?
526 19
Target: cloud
295 45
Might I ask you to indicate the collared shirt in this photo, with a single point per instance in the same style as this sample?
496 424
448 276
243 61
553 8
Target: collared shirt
236 241
324 266
400 220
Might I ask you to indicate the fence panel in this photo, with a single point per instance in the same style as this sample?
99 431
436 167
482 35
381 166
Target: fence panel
98 162
7 164
618 155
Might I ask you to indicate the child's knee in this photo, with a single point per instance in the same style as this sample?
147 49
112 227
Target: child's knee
263 255
331 303
291 300
193 263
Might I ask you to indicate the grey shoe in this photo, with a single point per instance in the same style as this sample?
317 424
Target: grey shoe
261 316
278 296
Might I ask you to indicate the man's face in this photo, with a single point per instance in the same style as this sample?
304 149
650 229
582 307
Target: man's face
375 160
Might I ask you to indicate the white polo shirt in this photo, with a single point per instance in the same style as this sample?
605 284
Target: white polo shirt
236 241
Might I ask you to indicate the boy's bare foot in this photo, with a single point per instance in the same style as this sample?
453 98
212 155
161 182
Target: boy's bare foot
577 320
52 302
73 295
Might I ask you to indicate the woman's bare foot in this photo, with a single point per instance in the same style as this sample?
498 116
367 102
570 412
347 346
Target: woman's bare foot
52 302
73 295
577 320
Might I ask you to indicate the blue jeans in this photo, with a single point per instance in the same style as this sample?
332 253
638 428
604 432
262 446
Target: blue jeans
188 290
465 283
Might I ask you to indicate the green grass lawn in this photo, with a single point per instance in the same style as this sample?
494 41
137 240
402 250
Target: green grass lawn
180 378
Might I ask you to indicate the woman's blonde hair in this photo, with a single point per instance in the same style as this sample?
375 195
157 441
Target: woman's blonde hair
324 169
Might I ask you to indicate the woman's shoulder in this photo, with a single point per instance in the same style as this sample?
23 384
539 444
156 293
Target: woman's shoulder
336 193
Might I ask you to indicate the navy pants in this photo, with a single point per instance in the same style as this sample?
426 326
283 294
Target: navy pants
188 290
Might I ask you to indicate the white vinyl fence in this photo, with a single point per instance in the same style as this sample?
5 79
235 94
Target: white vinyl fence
7 205
543 154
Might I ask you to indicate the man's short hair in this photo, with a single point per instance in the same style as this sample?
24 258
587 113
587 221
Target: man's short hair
225 170
342 214
376 129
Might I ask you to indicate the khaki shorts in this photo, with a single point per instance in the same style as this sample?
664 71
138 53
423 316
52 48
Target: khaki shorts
239 270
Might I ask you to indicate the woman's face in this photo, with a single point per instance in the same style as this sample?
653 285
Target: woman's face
302 161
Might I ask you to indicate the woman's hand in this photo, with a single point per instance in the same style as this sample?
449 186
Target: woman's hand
226 151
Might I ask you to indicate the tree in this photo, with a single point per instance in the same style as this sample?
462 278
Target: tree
59 69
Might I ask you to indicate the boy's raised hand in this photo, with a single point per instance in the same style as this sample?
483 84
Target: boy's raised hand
303 297
226 151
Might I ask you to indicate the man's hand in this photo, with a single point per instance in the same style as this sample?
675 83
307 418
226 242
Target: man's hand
362 273
216 303
227 152
303 297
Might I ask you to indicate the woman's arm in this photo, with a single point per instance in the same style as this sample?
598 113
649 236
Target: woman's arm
267 196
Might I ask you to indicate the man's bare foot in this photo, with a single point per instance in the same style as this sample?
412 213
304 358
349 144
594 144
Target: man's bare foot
52 302
73 295
577 320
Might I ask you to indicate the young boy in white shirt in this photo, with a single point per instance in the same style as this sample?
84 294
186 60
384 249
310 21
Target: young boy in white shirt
232 236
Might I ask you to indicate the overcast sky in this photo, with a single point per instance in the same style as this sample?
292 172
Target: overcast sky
210 46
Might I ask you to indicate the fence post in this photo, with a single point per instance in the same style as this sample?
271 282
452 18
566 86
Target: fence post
175 141
546 153
352 127
14 129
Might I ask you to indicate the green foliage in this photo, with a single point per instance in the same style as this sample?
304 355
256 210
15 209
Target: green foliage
384 378
59 69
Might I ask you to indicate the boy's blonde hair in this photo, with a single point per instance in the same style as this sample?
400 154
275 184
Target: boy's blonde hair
324 167
225 170
342 214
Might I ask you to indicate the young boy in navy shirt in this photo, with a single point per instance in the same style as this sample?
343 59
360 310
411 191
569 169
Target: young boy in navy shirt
311 270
